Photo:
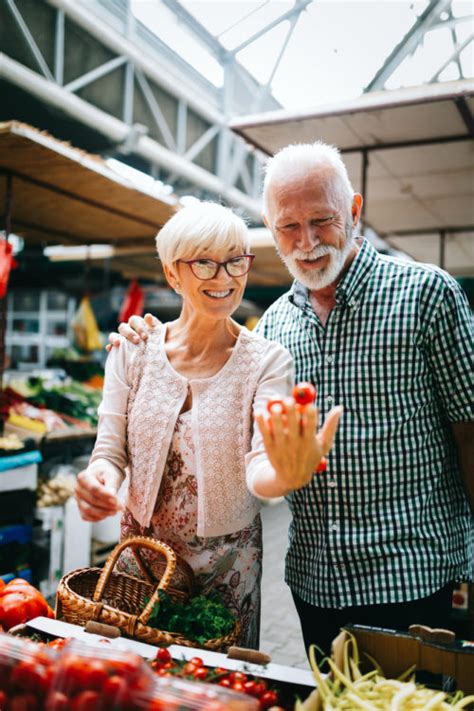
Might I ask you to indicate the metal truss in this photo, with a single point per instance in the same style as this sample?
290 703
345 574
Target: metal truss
430 19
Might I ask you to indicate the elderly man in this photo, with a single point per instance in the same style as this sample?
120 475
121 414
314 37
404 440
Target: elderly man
382 535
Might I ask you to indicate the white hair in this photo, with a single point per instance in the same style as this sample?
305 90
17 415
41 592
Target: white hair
199 227
307 158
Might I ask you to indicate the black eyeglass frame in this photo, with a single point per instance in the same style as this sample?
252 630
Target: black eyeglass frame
218 265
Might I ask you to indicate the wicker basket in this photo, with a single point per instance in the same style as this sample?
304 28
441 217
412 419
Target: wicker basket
118 599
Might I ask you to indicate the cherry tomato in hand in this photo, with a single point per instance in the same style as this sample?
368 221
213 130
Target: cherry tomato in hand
323 465
304 393
276 406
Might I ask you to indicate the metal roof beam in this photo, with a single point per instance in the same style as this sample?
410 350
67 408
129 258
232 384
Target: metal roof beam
199 30
298 8
409 43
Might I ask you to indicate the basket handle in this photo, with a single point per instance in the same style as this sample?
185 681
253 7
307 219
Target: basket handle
138 542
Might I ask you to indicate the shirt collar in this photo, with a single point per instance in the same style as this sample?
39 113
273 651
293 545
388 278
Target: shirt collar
351 286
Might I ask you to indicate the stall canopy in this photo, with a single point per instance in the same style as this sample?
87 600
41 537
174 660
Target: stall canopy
410 152
52 193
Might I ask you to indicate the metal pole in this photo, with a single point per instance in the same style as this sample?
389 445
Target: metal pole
442 248
3 301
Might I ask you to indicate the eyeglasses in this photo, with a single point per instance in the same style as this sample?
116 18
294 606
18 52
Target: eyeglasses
206 269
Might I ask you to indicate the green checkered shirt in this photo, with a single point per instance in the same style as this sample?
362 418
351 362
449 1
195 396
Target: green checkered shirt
388 521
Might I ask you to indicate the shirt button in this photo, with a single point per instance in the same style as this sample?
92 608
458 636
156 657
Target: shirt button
331 483
329 399
329 359
352 303
335 527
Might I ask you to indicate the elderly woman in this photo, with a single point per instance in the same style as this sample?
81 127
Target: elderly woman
178 411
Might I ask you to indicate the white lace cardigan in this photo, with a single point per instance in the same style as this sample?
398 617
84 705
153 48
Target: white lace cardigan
142 398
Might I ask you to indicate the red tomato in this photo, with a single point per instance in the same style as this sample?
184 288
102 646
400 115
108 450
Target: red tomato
86 701
323 465
269 698
115 690
31 676
201 673
237 676
226 683
260 688
2 585
276 406
238 686
57 702
250 687
3 700
163 655
197 661
24 702
304 393
189 668
18 607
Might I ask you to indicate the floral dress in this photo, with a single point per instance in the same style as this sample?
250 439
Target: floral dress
230 565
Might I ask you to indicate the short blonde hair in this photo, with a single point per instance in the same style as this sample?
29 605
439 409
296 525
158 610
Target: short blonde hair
308 157
199 227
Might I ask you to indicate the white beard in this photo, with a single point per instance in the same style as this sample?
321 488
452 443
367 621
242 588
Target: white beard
319 278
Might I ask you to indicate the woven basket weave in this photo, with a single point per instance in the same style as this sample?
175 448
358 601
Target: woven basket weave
118 599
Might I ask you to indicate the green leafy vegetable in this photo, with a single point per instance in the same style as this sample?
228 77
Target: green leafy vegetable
200 619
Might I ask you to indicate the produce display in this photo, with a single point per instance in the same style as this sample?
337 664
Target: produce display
194 669
42 406
349 688
77 677
200 619
56 491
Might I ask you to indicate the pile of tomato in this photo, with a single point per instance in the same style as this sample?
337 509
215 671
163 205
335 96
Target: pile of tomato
26 673
164 665
20 602
84 683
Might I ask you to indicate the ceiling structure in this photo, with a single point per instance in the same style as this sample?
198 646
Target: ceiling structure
56 194
409 152
92 72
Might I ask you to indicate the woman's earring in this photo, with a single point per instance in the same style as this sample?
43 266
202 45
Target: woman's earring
177 288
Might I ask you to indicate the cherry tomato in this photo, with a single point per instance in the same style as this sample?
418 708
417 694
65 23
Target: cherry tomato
57 702
276 406
250 687
323 465
238 686
304 393
31 676
237 676
197 661
269 698
226 683
86 701
189 668
163 655
201 673
115 690
24 702
260 688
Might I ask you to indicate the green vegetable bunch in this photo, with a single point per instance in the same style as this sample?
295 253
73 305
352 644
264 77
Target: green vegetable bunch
200 619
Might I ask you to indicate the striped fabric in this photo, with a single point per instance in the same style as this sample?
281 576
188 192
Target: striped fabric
388 521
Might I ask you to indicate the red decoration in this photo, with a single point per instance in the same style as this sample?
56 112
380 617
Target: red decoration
7 262
133 302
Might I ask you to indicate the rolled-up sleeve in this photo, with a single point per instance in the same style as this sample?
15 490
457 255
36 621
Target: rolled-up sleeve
276 382
112 428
